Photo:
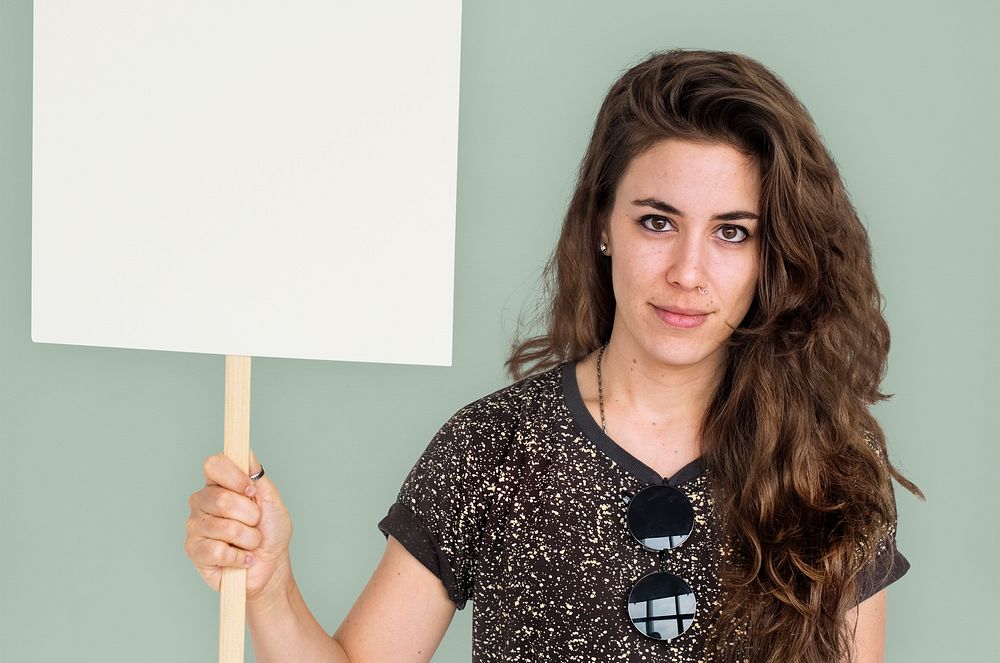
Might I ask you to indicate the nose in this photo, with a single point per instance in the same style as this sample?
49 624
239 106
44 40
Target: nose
686 266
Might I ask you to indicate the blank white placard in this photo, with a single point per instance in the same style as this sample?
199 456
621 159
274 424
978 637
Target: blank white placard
271 179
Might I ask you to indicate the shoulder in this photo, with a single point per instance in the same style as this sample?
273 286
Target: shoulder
511 406
490 429
483 438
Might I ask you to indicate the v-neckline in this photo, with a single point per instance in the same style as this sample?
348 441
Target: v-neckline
592 430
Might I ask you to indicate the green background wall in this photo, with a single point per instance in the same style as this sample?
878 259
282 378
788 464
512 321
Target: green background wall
99 448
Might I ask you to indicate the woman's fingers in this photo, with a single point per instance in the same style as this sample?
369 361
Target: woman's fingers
255 466
211 553
218 501
222 471
264 489
228 531
237 522
228 492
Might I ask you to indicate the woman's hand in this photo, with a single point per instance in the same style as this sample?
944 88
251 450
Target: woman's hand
237 522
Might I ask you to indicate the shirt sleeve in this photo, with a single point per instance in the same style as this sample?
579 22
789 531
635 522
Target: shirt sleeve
887 567
441 509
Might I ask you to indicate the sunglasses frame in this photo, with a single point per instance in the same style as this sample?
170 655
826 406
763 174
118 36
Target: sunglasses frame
660 498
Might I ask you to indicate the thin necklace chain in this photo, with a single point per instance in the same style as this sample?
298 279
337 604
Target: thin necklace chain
600 387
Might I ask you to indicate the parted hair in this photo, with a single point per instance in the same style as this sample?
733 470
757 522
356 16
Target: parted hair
799 464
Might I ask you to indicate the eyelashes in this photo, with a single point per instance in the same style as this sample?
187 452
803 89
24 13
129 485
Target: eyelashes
649 220
729 233
733 228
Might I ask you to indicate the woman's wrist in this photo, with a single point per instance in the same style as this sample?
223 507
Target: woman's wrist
281 626
278 590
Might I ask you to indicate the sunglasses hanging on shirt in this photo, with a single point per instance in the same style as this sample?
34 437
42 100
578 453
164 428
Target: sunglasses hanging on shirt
661 605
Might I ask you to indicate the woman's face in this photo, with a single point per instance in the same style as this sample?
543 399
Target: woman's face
684 245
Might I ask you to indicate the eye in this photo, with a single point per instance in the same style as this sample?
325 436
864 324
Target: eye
733 234
655 223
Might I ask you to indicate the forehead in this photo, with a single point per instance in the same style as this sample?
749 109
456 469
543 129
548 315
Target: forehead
696 176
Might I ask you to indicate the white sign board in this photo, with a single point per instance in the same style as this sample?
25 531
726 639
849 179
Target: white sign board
271 179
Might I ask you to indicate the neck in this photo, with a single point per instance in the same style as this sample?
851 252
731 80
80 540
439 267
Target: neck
674 396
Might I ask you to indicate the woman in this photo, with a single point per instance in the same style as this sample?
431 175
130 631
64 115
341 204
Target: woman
689 471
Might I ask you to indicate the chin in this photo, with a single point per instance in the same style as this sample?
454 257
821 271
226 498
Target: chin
673 348
680 353
680 357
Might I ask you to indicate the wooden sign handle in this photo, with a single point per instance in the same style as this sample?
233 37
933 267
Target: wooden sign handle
236 441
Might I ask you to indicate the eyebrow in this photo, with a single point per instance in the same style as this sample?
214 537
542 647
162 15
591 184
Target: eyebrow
735 215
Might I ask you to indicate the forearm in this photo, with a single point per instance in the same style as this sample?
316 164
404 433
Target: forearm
282 629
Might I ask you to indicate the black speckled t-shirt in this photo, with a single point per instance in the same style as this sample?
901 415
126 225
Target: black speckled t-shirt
519 503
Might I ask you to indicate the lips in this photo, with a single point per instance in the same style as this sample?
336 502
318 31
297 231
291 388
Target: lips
682 318
684 311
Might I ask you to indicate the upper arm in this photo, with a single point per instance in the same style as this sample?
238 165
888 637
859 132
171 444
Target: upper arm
868 623
401 615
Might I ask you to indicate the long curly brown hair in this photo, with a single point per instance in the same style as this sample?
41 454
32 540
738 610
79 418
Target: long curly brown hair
799 464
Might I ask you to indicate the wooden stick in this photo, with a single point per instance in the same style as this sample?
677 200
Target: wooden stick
236 440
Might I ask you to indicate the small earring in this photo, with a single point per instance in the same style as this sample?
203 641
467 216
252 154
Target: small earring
604 248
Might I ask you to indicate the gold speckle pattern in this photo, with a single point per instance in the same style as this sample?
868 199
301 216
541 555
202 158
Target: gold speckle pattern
519 503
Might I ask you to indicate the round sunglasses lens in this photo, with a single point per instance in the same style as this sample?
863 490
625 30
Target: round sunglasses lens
661 606
660 517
